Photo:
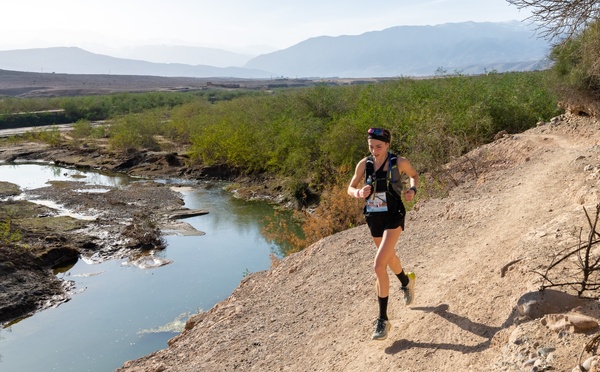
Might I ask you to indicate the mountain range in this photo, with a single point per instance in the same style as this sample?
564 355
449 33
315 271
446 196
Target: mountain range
467 48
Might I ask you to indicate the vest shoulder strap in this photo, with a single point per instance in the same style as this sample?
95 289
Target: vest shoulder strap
394 175
393 172
370 167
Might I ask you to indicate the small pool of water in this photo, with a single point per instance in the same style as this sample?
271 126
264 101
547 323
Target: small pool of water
121 312
36 175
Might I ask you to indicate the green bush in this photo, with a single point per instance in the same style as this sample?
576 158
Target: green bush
310 133
81 129
8 233
50 135
576 60
135 131
180 127
94 107
310 139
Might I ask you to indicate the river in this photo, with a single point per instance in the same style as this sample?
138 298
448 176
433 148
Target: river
121 312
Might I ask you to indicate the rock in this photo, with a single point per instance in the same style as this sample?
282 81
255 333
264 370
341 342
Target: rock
89 245
530 362
595 364
150 262
545 351
186 213
516 336
571 323
500 135
535 305
59 256
591 363
538 363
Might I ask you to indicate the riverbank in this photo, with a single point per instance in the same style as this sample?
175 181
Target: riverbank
27 263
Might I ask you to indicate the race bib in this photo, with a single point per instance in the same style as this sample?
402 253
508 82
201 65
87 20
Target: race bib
377 203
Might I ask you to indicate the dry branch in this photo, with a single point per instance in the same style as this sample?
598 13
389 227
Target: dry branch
560 18
588 266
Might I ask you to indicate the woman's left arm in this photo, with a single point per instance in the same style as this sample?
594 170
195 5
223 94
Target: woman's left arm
404 166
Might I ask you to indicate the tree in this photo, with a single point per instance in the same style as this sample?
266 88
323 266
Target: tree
558 19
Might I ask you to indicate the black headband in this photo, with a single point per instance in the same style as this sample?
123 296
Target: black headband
379 134
380 138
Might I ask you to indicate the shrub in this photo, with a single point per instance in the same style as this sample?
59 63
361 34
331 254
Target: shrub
8 233
336 211
576 60
310 137
135 131
50 135
81 129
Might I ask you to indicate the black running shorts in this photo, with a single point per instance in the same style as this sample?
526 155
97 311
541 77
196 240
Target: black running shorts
379 222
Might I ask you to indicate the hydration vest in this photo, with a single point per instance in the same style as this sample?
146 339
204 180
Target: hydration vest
393 174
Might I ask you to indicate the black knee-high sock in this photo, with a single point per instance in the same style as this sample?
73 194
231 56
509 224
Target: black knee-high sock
403 278
383 302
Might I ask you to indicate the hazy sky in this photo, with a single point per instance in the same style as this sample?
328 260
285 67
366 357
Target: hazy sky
231 24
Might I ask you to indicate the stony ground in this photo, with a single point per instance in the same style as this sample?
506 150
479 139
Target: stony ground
519 202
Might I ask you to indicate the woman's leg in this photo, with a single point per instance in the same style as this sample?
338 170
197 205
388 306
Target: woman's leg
386 256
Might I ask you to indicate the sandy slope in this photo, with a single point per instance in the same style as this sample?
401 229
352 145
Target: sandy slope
519 199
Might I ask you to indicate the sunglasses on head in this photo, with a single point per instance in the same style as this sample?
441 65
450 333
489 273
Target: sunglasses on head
377 131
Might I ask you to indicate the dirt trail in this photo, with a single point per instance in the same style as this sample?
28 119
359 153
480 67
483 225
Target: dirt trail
474 253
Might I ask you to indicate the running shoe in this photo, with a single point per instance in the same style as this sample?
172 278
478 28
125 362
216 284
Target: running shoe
382 327
409 290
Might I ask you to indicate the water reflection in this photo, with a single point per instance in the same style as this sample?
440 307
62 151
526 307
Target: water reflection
36 175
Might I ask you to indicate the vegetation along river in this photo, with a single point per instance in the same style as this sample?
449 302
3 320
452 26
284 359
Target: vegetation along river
119 311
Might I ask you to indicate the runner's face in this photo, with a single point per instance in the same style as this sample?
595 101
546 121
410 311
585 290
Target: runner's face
377 148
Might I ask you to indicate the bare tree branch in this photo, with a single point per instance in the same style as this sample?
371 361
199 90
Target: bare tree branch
587 273
558 19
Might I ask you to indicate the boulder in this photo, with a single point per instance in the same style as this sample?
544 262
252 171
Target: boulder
571 323
535 305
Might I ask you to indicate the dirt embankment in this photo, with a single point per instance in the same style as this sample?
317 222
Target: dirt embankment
518 203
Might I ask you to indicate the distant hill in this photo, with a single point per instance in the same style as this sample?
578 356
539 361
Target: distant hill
468 47
73 60
183 54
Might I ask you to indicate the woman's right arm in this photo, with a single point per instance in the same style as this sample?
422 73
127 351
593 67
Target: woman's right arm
353 188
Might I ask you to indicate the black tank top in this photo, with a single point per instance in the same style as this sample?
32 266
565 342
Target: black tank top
381 184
